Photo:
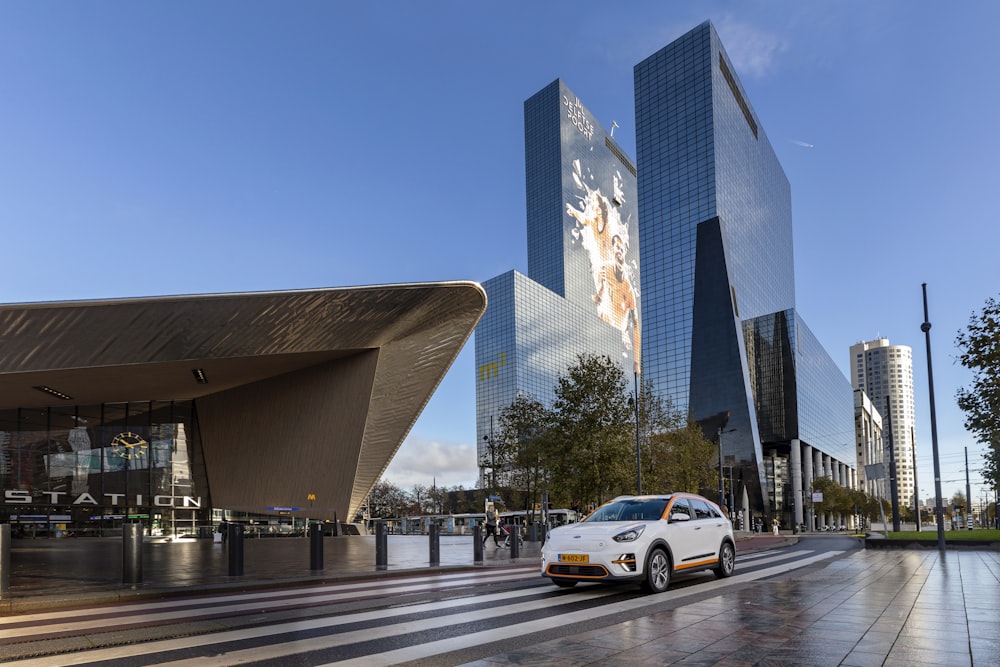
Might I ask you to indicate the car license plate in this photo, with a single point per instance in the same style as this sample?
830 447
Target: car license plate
573 558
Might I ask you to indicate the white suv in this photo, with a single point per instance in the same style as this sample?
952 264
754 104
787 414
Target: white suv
644 539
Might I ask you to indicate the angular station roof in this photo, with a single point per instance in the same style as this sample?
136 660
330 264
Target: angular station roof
299 393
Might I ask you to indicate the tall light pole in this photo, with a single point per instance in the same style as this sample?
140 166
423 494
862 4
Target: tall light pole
722 490
913 457
722 482
491 446
938 510
968 493
638 451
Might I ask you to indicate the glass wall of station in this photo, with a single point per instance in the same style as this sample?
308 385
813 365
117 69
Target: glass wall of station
83 470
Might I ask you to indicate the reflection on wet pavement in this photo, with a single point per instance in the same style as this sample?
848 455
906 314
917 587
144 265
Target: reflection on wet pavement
47 566
877 607
871 608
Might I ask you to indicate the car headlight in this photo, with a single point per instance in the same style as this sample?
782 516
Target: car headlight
629 535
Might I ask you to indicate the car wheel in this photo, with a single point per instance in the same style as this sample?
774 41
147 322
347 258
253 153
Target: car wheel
657 572
727 561
564 583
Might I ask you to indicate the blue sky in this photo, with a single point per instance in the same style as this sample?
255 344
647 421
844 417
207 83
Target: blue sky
179 148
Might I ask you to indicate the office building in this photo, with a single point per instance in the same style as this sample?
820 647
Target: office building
884 373
722 337
582 293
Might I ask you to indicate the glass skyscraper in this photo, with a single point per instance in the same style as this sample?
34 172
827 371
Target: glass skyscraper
722 337
582 293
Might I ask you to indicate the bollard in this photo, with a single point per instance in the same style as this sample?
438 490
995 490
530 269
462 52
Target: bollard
435 544
515 541
4 558
234 548
381 546
316 546
477 544
132 553
542 532
533 533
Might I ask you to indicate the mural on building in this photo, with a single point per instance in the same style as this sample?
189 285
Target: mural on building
598 229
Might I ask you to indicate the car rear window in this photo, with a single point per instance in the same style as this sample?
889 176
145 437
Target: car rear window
702 510
648 509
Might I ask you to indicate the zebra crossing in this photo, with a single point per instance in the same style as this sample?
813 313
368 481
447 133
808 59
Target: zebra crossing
434 618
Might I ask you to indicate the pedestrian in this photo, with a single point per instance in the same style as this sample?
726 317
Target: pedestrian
774 525
492 519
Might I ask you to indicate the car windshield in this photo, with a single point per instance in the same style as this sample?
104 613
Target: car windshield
635 509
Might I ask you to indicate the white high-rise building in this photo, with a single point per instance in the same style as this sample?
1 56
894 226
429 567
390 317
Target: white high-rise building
885 373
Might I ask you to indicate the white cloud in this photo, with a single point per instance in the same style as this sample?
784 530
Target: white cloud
752 50
426 462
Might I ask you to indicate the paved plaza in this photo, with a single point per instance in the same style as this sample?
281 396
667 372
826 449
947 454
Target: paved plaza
869 607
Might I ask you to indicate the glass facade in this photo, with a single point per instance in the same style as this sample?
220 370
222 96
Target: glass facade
526 338
722 339
85 469
582 294
825 400
799 393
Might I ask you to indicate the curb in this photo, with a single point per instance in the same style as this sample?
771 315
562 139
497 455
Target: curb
881 542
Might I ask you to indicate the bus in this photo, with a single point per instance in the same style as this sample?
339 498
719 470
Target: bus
463 524
556 517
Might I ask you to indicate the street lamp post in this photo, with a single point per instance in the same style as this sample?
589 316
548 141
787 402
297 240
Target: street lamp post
638 451
968 494
938 510
732 493
491 446
722 482
722 490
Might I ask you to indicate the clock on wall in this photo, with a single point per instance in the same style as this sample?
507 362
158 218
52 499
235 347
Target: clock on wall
128 445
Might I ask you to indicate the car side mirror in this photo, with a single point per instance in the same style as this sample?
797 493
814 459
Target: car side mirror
680 516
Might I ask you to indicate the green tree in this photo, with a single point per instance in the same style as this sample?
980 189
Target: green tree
437 497
528 424
680 459
590 453
991 466
835 497
419 497
859 502
497 461
386 500
582 449
657 424
980 353
873 508
958 500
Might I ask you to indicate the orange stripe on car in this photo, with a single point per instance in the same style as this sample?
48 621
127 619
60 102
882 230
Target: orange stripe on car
698 563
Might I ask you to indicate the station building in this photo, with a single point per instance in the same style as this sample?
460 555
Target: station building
266 404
